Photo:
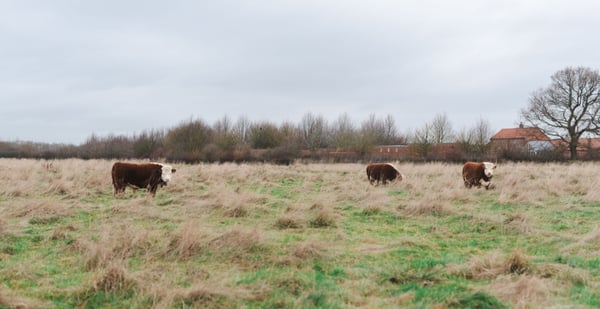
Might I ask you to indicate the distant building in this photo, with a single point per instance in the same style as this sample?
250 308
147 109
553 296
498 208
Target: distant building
521 141
587 148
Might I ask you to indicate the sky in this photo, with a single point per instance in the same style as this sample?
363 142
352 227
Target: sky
70 69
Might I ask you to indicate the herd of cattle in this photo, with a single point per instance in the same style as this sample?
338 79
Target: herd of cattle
151 175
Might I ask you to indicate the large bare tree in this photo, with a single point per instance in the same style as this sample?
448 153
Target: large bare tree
569 108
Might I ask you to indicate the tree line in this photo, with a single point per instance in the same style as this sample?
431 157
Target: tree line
195 140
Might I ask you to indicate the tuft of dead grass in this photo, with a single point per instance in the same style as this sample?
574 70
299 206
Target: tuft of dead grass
288 222
324 218
519 222
517 263
115 279
41 209
206 295
188 241
237 239
563 273
309 250
492 265
193 240
238 211
523 291
429 205
114 243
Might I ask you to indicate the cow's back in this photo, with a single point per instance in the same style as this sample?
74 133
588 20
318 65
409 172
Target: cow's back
471 169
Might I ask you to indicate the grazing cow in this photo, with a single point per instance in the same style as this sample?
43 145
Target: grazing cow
478 173
382 172
143 175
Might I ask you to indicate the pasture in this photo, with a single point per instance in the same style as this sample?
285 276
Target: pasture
299 236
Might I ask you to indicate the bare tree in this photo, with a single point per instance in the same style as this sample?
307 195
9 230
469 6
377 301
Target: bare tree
441 129
314 131
343 132
292 137
390 132
569 108
474 140
372 130
264 135
225 139
422 140
242 129
149 144
223 125
186 141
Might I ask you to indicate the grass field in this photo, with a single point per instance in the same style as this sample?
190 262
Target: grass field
300 236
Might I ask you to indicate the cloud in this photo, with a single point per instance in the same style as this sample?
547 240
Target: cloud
123 67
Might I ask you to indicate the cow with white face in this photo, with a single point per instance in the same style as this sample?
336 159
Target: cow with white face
142 175
478 174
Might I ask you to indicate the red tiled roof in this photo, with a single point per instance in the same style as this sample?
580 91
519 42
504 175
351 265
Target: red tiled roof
528 134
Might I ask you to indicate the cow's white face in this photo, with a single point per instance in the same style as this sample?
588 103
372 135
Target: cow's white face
489 169
167 172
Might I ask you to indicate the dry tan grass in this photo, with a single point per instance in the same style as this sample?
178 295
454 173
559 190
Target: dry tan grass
492 265
215 221
11 299
590 242
114 278
524 291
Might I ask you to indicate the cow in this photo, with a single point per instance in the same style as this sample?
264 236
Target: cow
478 173
383 172
140 175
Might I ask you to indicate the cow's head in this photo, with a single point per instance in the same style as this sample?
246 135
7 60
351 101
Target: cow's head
167 173
488 169
399 175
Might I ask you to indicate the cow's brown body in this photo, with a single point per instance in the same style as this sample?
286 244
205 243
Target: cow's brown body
475 172
383 172
143 175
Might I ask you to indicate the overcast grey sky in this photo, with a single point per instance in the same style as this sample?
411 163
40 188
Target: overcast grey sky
69 69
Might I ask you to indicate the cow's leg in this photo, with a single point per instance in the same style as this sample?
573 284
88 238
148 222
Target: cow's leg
119 186
484 183
152 189
487 184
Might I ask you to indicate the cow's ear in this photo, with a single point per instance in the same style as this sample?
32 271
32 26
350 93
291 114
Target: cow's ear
174 170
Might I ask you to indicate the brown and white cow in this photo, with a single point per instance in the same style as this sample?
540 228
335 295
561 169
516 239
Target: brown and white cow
383 172
141 175
478 173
